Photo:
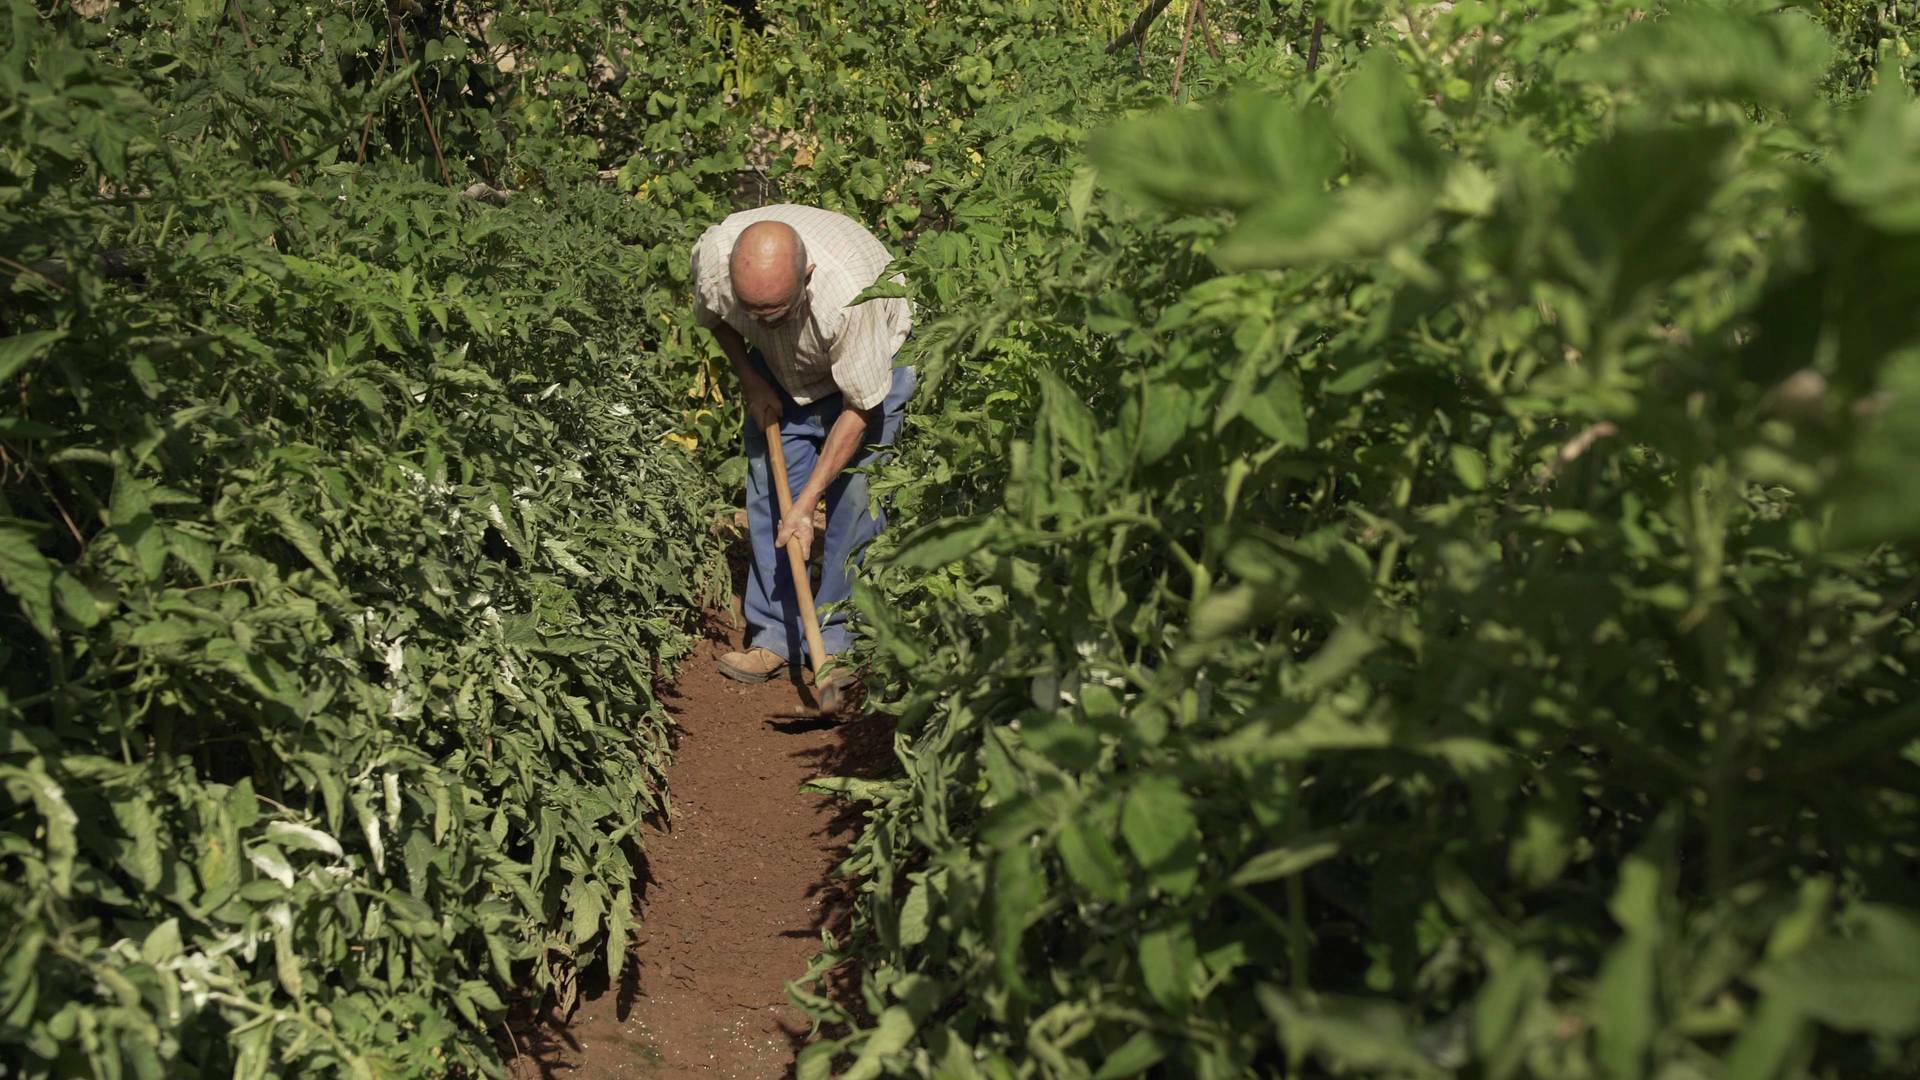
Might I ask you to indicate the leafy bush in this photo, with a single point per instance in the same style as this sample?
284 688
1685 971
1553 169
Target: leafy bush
1416 561
1448 603
342 554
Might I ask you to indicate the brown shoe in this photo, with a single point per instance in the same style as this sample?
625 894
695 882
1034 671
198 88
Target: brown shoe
754 665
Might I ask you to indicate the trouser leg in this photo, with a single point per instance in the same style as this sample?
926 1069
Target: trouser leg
852 521
771 605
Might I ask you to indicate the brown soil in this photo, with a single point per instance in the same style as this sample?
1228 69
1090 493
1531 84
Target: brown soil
734 893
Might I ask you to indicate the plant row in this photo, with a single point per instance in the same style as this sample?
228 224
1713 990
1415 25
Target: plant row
1414 566
342 555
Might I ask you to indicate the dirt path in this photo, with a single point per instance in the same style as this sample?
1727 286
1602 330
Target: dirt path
736 891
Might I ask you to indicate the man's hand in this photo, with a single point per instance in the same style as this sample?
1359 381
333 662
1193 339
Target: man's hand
763 402
797 524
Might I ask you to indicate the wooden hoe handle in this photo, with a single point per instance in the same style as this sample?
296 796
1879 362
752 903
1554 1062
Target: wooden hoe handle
801 584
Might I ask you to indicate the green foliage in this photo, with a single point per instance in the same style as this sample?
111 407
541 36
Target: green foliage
341 555
1870 34
1402 569
1414 570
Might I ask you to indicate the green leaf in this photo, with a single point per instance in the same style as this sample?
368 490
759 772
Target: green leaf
1624 1004
143 859
1278 411
1141 1052
1868 982
1253 148
253 1047
17 350
1080 194
76 600
303 838
1877 172
1515 985
1061 738
890 1035
1071 421
1167 957
195 553
166 632
268 860
914 923
1636 900
1091 861
1369 1037
1877 499
162 942
1158 823
619 922
12 427
286 954
1166 421
816 1061
1469 465
1543 843
1632 230
589 902
1569 522
304 538
57 818
1285 861
944 542
17 974
883 288
1363 220
1376 118
362 802
477 1002
1765 1042
1018 889
27 574
1708 51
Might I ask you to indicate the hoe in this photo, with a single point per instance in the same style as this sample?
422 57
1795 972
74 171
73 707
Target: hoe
831 694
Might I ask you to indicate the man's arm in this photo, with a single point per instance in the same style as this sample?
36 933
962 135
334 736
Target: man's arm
863 367
763 404
844 439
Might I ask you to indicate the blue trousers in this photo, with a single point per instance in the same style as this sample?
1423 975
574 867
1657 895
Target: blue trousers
772 606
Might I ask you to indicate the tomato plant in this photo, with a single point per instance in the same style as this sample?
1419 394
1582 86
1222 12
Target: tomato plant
1404 554
1413 576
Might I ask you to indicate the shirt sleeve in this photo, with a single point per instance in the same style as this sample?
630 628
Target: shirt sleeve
863 354
704 313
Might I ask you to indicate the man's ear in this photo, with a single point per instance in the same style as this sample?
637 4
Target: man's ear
810 267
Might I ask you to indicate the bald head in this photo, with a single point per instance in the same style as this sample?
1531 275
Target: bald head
769 270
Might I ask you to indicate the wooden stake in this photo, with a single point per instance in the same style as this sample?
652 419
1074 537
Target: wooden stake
366 129
1186 36
240 20
393 31
1206 31
1139 27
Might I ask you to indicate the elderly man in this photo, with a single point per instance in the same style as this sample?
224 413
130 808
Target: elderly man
774 285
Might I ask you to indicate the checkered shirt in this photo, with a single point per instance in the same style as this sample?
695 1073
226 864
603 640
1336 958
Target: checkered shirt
825 345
